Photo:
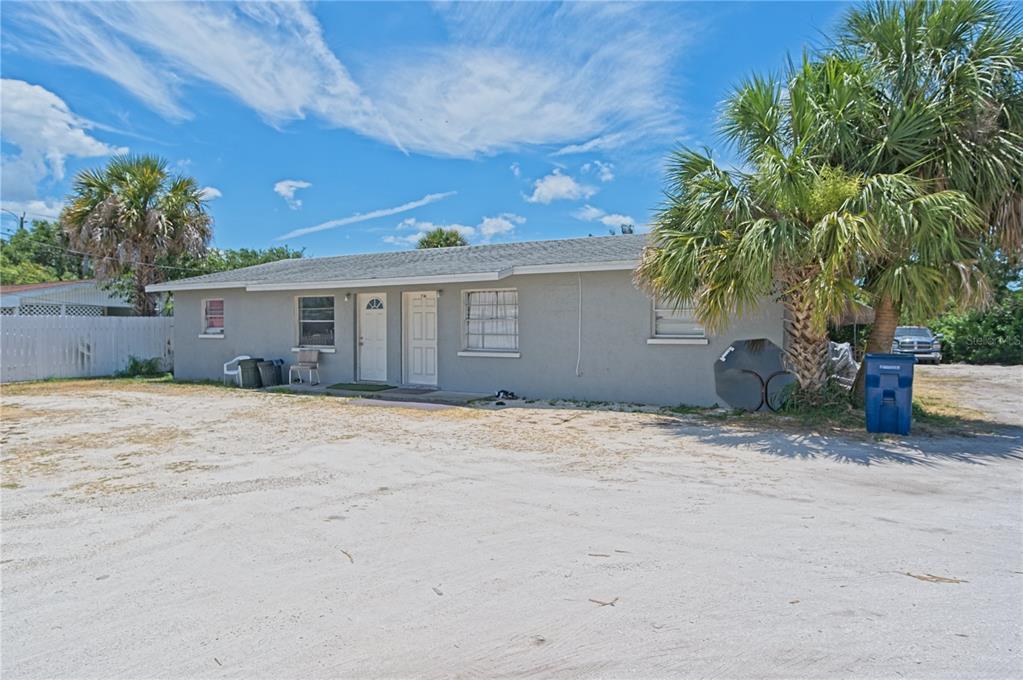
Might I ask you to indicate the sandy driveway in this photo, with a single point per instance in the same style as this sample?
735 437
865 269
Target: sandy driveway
175 531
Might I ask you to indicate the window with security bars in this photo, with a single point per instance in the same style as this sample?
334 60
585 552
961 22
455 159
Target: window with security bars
213 317
492 320
676 321
316 321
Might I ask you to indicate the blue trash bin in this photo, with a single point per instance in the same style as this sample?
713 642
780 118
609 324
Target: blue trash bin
889 392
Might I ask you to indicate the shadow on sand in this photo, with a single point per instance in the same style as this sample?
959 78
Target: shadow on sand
993 442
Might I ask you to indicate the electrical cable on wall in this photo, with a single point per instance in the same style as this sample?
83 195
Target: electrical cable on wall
579 348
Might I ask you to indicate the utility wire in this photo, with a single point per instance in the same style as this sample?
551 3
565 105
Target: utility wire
52 247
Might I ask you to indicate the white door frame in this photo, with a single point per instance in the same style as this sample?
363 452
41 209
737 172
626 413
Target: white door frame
406 336
360 303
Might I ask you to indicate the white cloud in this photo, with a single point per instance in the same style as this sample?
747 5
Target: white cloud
588 213
47 208
489 227
515 169
286 189
46 133
210 193
421 228
372 215
496 226
580 76
558 187
605 171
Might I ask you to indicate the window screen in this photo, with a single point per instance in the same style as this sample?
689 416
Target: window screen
672 321
492 320
316 321
213 317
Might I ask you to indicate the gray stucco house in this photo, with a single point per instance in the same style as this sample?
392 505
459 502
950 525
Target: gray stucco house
545 319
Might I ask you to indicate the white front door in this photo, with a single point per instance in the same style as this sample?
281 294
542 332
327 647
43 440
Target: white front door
372 336
421 338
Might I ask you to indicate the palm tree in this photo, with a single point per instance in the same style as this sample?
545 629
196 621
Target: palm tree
787 226
441 238
941 98
131 214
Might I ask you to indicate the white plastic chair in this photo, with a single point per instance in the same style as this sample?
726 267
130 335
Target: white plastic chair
236 373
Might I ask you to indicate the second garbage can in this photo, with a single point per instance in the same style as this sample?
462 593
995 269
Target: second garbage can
889 392
248 375
269 375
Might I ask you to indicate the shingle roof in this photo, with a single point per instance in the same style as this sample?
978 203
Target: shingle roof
23 287
430 262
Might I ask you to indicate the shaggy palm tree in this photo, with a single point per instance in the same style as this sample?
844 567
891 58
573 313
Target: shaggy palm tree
787 226
131 214
941 98
441 238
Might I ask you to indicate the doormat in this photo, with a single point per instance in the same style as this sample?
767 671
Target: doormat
360 387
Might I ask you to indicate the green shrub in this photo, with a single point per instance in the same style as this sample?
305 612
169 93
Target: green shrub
142 368
992 336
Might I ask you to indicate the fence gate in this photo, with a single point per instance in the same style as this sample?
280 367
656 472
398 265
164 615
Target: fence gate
37 347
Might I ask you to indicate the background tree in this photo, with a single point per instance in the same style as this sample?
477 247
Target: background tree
939 96
213 260
40 254
442 238
131 214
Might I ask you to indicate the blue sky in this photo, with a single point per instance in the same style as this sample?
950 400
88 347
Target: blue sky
352 127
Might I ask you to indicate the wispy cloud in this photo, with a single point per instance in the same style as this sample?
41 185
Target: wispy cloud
595 77
372 215
45 133
210 193
286 189
270 56
558 187
602 143
604 171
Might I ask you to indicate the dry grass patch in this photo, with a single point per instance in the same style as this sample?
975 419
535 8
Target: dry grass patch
108 486
47 456
188 466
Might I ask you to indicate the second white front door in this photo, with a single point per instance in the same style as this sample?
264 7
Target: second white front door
421 338
372 336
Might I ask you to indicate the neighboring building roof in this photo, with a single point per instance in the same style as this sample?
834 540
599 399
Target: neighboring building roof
429 265
82 292
24 287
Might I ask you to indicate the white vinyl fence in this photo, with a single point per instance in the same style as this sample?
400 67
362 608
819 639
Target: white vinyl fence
37 347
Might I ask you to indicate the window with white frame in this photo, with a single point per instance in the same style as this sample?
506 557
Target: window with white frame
676 321
213 317
316 321
492 320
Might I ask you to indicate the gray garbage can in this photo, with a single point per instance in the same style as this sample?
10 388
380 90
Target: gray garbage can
279 370
269 375
248 376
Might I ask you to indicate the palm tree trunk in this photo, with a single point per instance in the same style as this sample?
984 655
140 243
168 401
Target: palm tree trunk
886 318
143 301
806 350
